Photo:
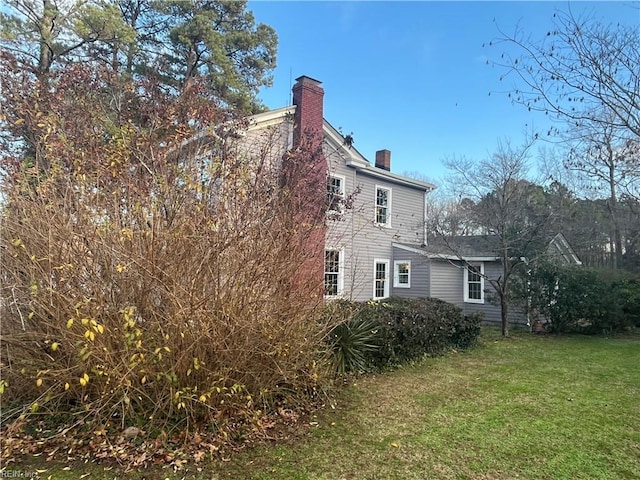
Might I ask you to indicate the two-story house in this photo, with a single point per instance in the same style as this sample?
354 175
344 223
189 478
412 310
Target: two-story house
383 207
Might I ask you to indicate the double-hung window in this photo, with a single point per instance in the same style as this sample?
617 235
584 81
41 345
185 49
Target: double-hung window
474 283
335 193
380 279
333 272
383 206
402 274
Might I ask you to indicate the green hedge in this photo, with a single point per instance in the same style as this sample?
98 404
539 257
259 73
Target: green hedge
378 334
578 299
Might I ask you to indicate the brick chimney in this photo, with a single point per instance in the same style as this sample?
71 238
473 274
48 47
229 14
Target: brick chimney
308 97
383 159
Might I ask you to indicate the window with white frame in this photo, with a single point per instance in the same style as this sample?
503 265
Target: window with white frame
380 279
333 272
402 274
335 193
474 283
383 206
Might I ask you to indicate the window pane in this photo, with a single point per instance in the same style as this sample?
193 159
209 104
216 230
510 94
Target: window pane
331 261
403 273
331 284
474 275
381 276
474 291
382 205
382 197
331 272
474 283
334 193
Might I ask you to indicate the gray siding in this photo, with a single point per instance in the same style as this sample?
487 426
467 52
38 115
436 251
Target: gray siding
355 233
491 306
362 239
446 282
419 274
268 144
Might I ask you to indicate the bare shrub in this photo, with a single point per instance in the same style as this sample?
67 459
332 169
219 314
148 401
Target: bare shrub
150 277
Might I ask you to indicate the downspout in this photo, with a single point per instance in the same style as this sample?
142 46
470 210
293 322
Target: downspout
353 233
424 219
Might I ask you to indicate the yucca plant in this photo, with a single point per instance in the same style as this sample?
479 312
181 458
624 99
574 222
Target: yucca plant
351 343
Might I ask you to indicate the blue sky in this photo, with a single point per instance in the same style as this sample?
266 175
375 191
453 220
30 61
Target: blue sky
412 77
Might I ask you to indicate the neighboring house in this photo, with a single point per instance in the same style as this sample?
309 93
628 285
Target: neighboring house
457 269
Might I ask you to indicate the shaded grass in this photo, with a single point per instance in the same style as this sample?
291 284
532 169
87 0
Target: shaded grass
530 407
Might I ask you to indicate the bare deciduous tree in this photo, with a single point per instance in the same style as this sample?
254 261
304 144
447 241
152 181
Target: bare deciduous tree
506 208
578 69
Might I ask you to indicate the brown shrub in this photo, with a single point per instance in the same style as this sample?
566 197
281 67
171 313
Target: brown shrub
149 279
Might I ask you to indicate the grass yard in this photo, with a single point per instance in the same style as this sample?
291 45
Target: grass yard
529 407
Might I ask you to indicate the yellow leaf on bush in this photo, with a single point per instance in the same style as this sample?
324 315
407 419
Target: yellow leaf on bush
66 386
120 268
39 382
54 346
69 323
85 321
100 329
143 380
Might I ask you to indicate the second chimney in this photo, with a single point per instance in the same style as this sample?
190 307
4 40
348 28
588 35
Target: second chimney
383 159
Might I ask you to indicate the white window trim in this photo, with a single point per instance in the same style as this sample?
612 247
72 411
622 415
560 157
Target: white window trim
343 189
466 284
340 271
386 262
396 274
375 206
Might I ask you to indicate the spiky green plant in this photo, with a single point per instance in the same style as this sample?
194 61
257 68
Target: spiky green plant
351 343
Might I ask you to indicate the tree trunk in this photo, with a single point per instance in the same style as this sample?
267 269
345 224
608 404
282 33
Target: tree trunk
46 37
504 314
613 210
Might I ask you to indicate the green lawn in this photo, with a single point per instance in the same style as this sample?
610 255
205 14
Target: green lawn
530 407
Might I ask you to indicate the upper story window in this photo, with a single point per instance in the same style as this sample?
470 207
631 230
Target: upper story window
383 206
474 283
335 193
402 274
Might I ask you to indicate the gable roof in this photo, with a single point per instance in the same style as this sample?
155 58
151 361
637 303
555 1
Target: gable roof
484 247
471 248
559 248
338 145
